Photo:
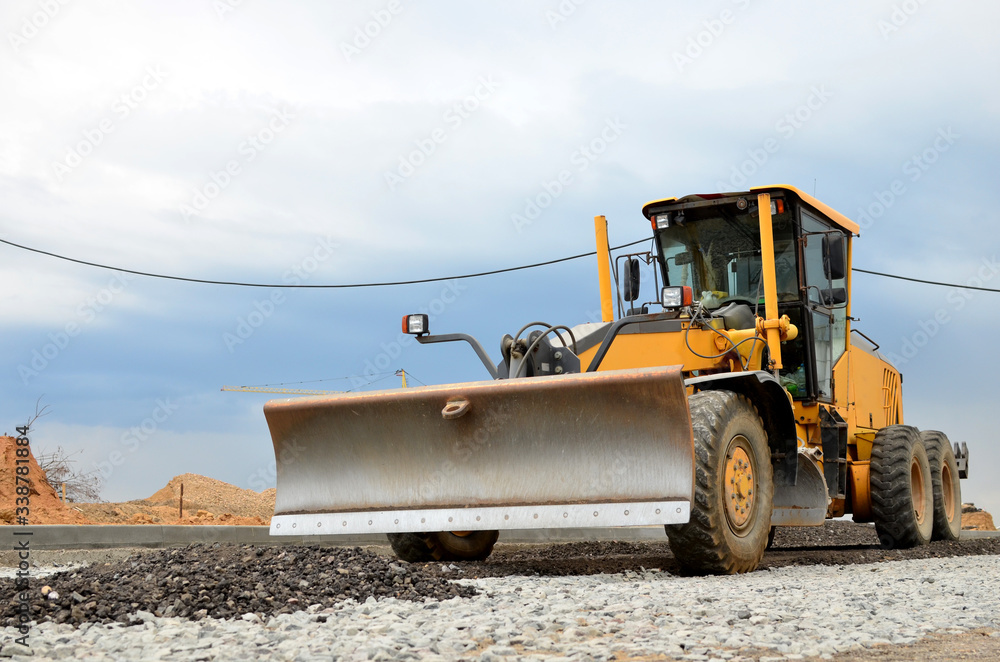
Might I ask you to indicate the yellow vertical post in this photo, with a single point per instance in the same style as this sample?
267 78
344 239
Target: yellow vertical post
402 373
604 268
64 492
771 330
850 278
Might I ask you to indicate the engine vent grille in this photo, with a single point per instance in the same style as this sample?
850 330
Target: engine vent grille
890 391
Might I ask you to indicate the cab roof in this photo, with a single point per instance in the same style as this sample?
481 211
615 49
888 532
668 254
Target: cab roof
832 214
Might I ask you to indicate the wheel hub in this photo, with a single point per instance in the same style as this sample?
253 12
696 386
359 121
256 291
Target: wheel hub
739 482
948 491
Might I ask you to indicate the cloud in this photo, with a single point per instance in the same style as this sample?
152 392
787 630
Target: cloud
202 90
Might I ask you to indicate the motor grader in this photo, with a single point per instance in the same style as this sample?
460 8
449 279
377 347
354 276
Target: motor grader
735 400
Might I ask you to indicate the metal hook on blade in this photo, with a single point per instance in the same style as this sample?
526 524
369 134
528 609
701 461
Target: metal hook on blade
455 408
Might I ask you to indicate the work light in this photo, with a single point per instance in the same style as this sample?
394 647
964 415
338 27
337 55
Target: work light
416 325
675 297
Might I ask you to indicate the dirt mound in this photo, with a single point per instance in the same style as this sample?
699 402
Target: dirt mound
976 519
213 496
44 505
206 501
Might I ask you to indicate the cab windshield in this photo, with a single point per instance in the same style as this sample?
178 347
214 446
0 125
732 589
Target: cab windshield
716 251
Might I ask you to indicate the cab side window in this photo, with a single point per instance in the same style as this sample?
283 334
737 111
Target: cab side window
826 293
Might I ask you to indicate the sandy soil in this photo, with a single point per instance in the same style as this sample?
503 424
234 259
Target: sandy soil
975 645
43 505
206 500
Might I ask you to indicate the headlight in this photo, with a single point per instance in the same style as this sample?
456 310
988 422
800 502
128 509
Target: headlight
416 325
676 297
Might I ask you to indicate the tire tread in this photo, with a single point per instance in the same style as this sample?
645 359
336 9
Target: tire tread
411 547
891 492
939 452
700 546
427 547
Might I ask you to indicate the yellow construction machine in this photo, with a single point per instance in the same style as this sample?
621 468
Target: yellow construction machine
736 400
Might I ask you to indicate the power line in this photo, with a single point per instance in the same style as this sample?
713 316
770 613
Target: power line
301 286
925 282
420 280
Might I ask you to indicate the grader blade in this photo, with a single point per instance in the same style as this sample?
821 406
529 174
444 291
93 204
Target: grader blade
582 450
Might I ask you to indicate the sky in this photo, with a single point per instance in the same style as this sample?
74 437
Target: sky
335 143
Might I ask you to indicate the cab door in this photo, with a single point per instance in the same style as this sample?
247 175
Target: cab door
824 282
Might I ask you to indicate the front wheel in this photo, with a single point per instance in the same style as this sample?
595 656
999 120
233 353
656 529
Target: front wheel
443 546
462 545
731 512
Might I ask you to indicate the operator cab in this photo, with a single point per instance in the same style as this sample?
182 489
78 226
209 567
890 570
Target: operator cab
712 244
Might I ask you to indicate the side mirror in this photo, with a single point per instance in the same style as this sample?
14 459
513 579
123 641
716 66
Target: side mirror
683 258
834 256
631 278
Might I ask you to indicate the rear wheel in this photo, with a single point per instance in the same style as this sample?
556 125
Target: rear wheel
731 512
902 495
443 546
945 485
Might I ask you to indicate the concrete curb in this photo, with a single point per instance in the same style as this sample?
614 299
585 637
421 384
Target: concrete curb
973 535
67 536
60 536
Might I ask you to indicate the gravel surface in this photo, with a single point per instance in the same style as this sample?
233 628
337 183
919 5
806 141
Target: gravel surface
226 581
836 543
597 601
784 613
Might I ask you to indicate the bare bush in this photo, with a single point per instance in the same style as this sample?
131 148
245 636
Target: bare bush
60 468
